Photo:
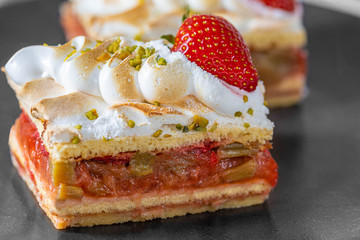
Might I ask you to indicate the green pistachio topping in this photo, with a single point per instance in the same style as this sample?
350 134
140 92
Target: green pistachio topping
92 114
179 126
265 103
138 37
202 122
213 127
245 98
148 52
246 125
169 37
114 46
156 103
78 127
98 42
250 111
103 57
85 50
45 44
135 61
161 61
137 68
167 135
106 139
75 140
70 54
130 49
238 114
122 54
140 51
157 133
200 129
131 123
193 126
185 129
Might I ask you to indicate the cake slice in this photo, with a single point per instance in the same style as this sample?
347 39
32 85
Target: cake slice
273 31
123 130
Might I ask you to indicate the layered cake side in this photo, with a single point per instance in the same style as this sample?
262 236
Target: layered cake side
124 130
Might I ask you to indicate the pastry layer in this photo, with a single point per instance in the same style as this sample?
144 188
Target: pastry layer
90 211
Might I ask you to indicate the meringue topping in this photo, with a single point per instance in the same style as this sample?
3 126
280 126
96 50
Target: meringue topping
115 89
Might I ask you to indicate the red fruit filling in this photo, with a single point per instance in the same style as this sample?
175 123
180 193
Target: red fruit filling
130 173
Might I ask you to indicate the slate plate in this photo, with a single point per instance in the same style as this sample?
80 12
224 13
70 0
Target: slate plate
316 144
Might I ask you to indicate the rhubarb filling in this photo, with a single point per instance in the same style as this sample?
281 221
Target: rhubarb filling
205 165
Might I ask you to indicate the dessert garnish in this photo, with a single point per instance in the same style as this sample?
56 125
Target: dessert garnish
216 46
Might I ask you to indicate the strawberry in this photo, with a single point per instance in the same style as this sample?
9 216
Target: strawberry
217 47
288 5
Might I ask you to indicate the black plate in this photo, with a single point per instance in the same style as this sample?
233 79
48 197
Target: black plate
316 144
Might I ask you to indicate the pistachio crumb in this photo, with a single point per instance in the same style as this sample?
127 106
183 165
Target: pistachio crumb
98 42
238 114
161 61
213 127
103 57
157 133
179 126
92 114
114 46
167 135
245 98
201 121
135 62
200 129
156 103
106 139
137 68
138 37
78 127
185 129
85 50
250 111
45 44
75 140
246 125
70 54
131 123
140 52
130 49
265 103
193 126
122 54
148 52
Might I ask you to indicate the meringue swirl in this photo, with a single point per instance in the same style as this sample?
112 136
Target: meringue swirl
76 67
